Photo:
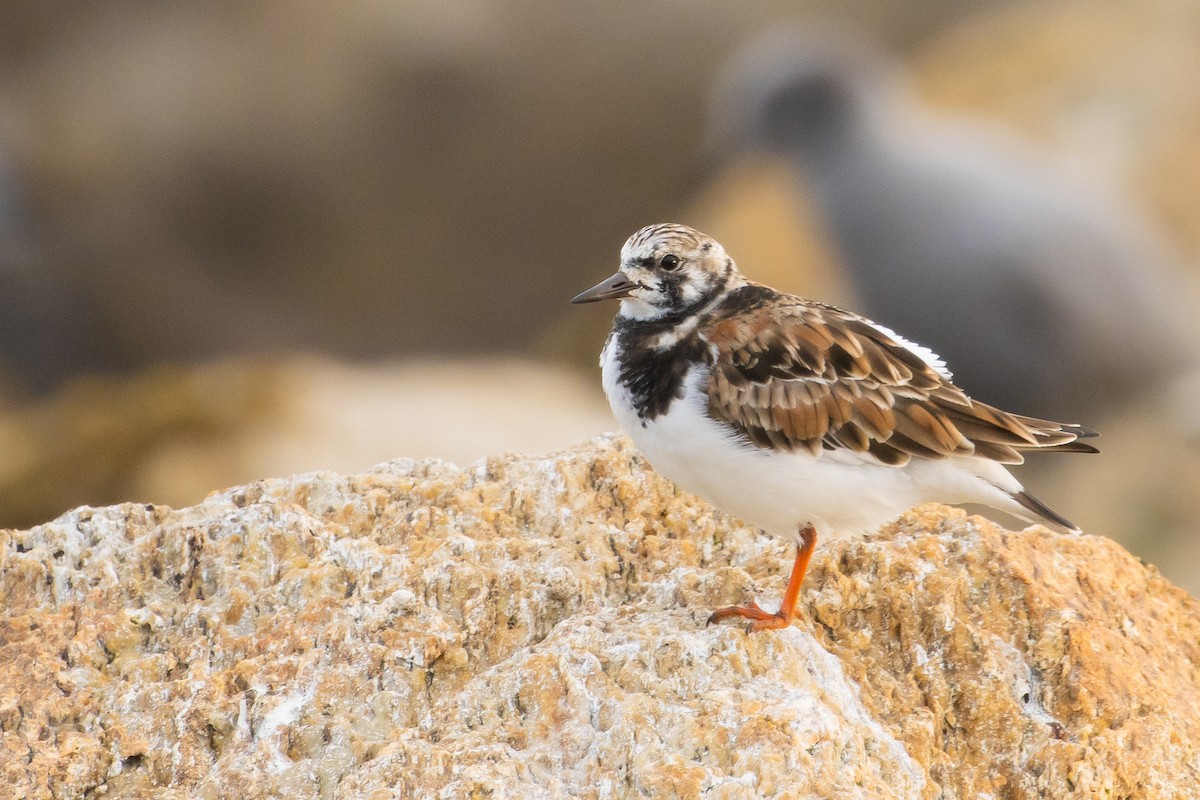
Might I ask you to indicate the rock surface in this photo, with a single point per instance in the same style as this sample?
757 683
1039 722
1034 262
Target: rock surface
534 627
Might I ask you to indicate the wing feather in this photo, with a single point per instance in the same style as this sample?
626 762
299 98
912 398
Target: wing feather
801 377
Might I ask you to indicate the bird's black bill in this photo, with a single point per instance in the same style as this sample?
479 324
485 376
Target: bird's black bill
611 289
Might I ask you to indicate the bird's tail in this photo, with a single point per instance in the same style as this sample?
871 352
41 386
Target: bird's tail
1042 513
1062 437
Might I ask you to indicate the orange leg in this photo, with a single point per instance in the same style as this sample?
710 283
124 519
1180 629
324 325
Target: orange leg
764 620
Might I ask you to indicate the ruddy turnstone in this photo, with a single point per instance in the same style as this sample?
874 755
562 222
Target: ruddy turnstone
795 415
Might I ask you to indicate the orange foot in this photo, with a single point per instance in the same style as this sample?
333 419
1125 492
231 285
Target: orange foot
763 620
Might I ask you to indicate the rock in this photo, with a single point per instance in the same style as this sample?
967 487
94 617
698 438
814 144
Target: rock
170 434
534 627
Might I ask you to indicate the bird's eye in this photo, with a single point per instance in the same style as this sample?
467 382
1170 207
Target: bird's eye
669 262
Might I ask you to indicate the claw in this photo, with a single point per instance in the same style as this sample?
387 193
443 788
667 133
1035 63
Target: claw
766 620
762 620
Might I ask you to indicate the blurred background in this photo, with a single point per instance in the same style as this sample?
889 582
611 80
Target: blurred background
246 240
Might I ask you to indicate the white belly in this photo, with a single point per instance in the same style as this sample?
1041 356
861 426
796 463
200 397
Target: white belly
838 493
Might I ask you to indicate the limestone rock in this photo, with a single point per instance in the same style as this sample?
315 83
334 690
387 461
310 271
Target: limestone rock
534 627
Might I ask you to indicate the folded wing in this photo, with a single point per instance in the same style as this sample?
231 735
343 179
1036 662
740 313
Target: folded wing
808 377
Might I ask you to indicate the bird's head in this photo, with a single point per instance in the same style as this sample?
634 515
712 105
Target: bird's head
667 271
798 91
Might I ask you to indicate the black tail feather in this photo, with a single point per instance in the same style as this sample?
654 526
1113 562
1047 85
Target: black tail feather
1074 447
1082 432
1044 511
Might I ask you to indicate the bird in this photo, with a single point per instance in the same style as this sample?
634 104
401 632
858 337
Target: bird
795 415
1044 290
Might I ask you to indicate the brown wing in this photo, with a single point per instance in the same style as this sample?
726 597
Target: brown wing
801 376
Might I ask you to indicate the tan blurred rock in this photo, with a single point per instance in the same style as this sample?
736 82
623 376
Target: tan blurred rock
1101 82
759 210
534 627
171 434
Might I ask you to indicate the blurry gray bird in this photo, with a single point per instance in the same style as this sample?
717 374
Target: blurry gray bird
1047 299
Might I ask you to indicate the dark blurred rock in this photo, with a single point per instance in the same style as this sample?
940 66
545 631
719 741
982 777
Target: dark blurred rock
364 178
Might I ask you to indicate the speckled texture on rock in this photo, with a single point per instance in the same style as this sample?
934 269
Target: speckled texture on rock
534 627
